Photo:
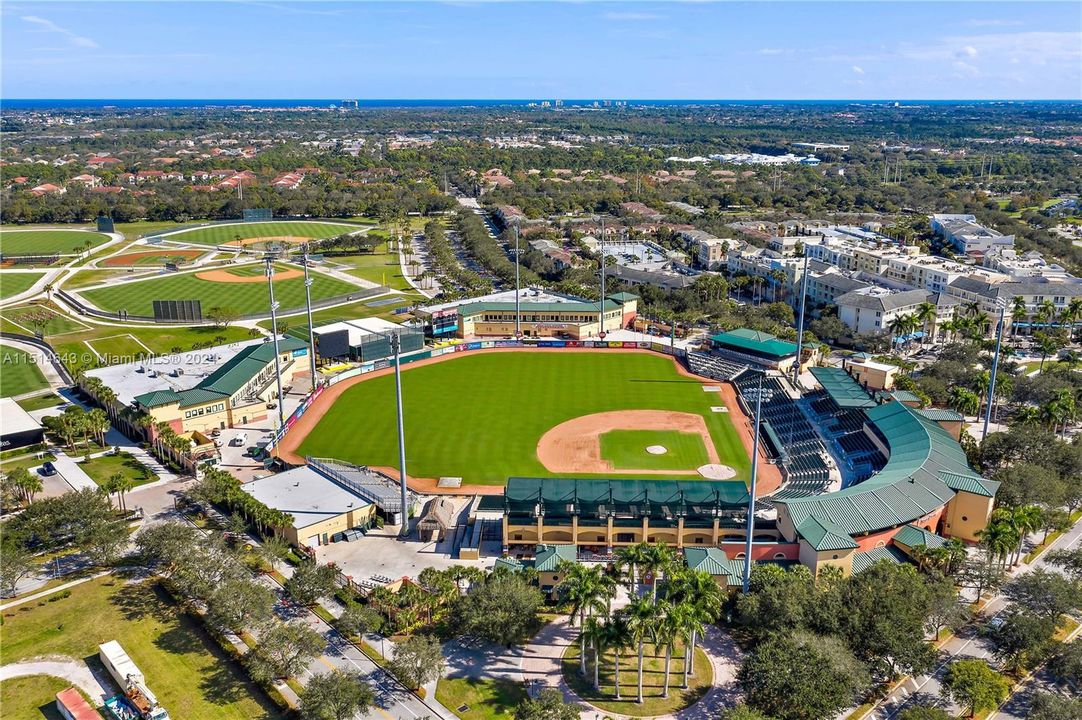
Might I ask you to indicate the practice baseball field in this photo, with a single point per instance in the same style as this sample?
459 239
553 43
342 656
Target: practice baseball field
47 242
296 231
487 416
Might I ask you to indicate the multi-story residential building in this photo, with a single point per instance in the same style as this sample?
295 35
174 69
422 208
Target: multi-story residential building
1027 265
826 284
1033 292
966 235
765 263
871 310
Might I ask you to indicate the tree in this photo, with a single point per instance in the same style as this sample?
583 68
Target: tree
742 712
549 705
1066 666
924 712
274 550
617 637
240 604
802 677
335 695
417 661
284 650
1070 561
1046 594
223 316
27 484
310 582
357 619
975 685
944 610
1023 639
1049 706
583 588
501 610
642 617
16 562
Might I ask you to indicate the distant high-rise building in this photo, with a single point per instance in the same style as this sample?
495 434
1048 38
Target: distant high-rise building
349 105
558 103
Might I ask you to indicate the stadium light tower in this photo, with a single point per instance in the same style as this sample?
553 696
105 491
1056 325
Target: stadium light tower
601 301
311 330
800 320
1002 303
518 291
269 259
760 395
396 348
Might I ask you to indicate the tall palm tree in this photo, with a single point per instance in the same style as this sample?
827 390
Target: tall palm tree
1027 415
999 537
632 557
1026 519
964 400
658 558
618 637
596 634
582 587
925 314
1073 311
698 591
1018 312
672 627
641 618
983 381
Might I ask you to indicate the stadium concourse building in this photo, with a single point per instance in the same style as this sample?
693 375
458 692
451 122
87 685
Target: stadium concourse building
363 340
923 492
759 349
541 314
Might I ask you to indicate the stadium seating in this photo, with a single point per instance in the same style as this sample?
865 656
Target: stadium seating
714 367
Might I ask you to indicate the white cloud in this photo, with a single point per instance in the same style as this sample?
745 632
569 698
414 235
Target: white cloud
50 26
858 70
969 51
774 51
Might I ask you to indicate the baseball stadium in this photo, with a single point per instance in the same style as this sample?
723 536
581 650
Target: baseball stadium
596 444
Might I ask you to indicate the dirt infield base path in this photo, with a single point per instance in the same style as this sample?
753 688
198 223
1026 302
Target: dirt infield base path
290 239
224 276
574 446
769 474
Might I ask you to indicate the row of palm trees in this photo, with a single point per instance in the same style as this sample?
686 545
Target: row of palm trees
1046 312
689 600
1008 528
75 423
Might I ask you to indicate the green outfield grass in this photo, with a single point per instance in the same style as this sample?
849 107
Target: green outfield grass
137 297
223 234
18 373
21 320
46 242
626 450
480 417
13 283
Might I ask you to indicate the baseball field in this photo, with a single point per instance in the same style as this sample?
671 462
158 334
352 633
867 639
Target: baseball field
47 242
239 234
487 416
242 288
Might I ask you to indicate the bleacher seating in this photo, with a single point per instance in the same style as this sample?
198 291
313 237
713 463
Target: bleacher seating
854 450
714 366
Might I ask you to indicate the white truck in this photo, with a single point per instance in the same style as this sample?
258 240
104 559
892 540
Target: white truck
131 680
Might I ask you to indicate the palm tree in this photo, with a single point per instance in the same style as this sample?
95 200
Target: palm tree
897 327
1018 312
983 380
964 401
27 483
925 314
778 278
582 587
631 557
617 637
641 618
999 537
697 591
673 622
1025 519
596 633
1047 345
1073 313
657 558
97 423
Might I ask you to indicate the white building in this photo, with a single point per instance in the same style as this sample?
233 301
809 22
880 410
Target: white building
967 236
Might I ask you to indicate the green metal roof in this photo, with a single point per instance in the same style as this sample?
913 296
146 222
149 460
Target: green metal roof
904 396
548 557
913 536
512 564
245 365
842 389
708 559
925 467
568 496
757 342
825 535
941 414
863 561
157 398
622 297
199 396
531 307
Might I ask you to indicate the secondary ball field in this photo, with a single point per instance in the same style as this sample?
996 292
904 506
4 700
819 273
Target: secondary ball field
242 288
47 242
489 415
240 234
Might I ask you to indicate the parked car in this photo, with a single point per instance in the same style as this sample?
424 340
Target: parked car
48 469
238 441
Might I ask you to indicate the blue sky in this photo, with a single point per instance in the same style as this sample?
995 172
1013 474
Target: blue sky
698 50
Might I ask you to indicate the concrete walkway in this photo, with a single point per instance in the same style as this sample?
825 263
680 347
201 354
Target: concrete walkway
72 473
74 671
52 590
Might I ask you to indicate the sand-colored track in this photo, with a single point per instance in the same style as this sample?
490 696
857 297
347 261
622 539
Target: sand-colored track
290 239
769 474
574 446
224 276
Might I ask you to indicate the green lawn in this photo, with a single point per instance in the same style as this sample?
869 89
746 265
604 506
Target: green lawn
57 323
653 679
13 283
100 469
379 267
32 697
46 242
40 402
480 416
487 699
114 344
118 349
227 233
137 297
191 676
18 372
626 450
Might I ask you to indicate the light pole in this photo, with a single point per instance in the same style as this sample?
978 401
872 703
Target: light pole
518 292
601 301
396 348
995 367
274 336
800 320
311 330
759 395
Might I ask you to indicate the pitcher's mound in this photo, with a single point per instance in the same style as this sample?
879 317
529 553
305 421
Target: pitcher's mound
716 471
657 450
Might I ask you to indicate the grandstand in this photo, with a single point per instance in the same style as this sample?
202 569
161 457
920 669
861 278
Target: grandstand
838 410
715 366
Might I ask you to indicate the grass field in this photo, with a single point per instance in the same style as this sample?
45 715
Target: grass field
18 372
117 348
359 309
223 234
480 417
40 402
380 267
56 323
152 257
100 469
190 675
137 297
626 449
162 340
487 699
13 283
46 242
32 697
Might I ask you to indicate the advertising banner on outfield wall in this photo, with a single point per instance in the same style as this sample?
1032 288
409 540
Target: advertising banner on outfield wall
507 343
552 344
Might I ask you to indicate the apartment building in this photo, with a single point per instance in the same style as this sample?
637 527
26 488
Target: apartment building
967 235
871 310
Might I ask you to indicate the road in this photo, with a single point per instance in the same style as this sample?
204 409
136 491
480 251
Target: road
926 689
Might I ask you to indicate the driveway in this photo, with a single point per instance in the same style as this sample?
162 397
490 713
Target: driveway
74 671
